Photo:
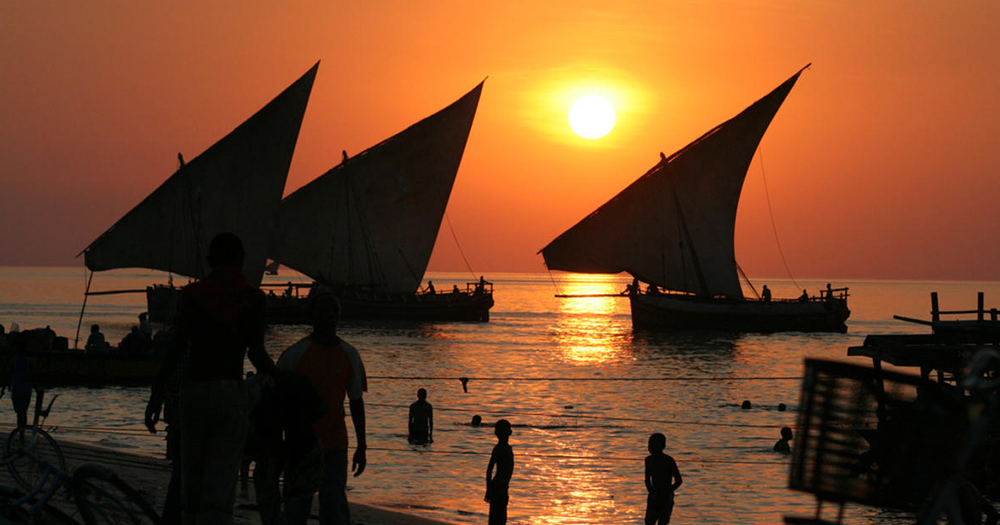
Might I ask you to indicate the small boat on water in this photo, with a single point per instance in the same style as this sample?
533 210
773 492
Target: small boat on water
236 185
366 228
673 228
53 363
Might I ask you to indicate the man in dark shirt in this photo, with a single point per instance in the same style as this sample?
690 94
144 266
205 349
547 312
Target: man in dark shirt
497 487
421 420
221 318
662 480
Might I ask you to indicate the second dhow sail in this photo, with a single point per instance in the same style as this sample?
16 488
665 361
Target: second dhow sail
367 227
674 228
235 185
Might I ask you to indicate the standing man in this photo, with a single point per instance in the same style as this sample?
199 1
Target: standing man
421 420
335 370
221 318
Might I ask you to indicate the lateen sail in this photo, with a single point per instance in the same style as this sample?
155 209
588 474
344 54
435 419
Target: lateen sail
674 226
236 185
372 220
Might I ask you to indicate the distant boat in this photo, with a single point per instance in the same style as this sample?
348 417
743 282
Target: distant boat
366 228
674 228
235 185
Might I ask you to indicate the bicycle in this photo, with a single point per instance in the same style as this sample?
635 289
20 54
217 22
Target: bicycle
34 438
100 496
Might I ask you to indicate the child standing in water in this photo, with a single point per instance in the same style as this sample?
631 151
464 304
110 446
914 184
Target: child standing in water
497 486
662 479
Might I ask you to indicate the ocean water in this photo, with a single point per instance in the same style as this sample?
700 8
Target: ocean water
581 389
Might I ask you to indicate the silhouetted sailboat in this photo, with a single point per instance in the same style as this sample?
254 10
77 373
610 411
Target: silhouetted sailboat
674 228
367 227
235 185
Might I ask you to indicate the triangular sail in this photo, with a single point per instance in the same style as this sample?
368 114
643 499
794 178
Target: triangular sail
372 220
235 185
674 226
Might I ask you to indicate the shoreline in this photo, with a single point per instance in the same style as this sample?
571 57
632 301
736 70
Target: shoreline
152 475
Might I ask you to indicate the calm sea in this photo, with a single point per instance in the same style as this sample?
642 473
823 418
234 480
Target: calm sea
582 391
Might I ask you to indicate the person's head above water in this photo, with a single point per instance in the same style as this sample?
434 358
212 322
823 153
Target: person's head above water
502 428
657 442
786 433
226 249
477 420
422 394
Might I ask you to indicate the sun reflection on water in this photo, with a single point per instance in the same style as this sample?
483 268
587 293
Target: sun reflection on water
588 330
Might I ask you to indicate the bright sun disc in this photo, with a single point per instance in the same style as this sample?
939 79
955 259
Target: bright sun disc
592 117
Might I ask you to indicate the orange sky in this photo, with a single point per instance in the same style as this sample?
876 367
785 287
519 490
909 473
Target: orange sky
883 162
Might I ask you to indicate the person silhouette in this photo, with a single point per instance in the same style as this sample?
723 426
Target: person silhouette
662 480
421 420
497 487
765 294
804 298
477 420
96 343
220 320
430 288
20 385
782 444
334 368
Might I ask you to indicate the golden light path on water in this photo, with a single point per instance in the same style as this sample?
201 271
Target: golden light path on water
582 326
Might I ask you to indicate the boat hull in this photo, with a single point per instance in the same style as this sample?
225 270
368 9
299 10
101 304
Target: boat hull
162 302
396 307
682 312
74 368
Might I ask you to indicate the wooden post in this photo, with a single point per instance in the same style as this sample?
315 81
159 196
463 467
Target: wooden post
935 313
980 311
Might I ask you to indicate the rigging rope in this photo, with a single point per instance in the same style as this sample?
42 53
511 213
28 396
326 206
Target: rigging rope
635 459
453 236
774 228
511 378
582 416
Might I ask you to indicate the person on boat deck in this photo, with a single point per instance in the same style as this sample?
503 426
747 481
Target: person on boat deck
335 369
289 290
455 290
804 298
220 321
481 287
430 288
421 420
95 342
652 289
782 444
180 160
4 345
765 294
632 289
145 328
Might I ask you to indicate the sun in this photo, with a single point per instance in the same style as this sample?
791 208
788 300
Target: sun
592 117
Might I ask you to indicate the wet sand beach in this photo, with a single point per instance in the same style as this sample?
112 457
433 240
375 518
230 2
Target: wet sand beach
151 475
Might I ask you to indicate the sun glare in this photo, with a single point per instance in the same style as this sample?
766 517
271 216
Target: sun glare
592 117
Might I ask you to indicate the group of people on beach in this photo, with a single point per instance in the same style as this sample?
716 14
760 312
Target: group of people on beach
299 418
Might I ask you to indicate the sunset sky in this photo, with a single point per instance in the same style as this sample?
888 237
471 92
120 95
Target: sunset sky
884 162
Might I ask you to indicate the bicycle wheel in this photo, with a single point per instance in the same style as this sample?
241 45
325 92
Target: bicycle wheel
30 450
105 499
12 512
